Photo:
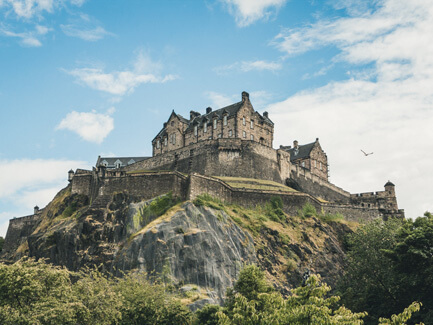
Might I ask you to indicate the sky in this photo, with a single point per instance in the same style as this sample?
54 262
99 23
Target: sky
82 78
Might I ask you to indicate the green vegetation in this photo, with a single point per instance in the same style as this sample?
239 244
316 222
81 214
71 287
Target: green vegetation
308 210
209 201
390 264
154 209
37 293
2 241
253 300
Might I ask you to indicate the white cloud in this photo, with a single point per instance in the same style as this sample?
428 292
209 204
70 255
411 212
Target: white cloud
25 183
247 12
220 100
85 28
247 66
386 108
92 127
30 39
29 8
120 82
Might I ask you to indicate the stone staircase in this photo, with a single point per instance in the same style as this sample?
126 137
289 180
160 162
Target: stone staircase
101 202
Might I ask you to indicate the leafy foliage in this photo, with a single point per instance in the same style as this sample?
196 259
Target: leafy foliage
390 265
308 210
2 241
33 292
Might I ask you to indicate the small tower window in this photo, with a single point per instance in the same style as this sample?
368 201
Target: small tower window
244 121
225 120
252 124
215 123
244 134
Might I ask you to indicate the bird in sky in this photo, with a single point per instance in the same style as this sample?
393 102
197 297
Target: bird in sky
366 154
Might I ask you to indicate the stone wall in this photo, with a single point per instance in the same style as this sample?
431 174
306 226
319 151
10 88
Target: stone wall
146 186
18 231
222 157
314 185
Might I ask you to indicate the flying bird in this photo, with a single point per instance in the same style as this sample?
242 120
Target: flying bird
366 154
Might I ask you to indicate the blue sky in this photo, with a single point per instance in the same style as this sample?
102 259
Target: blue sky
82 78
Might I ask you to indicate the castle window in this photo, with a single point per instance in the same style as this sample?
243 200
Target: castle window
303 164
315 163
252 137
230 133
252 124
215 123
205 127
244 121
158 144
320 166
165 141
195 130
244 134
219 135
225 119
174 138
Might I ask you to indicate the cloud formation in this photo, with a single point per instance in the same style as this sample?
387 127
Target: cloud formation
28 39
85 28
247 66
385 106
121 82
92 127
25 183
29 8
247 12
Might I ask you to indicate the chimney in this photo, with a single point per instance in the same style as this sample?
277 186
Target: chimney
35 209
295 144
165 125
245 96
208 110
317 139
193 114
265 114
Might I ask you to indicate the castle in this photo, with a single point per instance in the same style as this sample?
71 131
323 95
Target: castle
227 153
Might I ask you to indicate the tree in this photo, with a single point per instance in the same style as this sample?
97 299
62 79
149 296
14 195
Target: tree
2 241
390 265
254 301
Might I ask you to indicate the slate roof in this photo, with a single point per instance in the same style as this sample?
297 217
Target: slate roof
111 161
230 110
302 152
389 184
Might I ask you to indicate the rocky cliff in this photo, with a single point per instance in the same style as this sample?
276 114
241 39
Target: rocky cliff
199 245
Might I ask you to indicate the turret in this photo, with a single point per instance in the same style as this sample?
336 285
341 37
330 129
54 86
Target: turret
390 189
35 210
70 175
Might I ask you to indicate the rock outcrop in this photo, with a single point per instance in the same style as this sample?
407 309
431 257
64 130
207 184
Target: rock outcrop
203 244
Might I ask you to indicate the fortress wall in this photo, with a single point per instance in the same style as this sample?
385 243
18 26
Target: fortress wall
200 184
220 157
82 184
146 186
352 213
314 185
18 231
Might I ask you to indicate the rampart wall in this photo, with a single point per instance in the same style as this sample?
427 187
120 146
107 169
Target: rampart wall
314 185
18 231
292 201
222 157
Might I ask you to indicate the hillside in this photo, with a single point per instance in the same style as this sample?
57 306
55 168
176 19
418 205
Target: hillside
203 243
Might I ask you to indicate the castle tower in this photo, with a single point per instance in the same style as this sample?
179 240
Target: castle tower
391 199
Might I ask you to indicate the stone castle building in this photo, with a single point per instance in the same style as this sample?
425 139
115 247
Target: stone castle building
201 154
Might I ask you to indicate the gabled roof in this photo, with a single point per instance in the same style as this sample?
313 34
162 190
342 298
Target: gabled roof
230 110
302 152
163 131
389 183
110 162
